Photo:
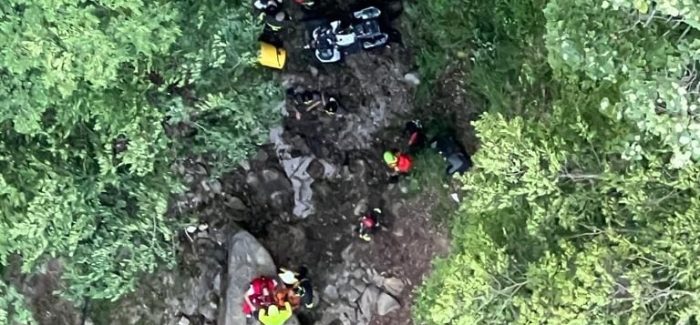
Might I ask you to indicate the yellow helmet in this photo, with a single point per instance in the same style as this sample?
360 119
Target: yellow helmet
390 158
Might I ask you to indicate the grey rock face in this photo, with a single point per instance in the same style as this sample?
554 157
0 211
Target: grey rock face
247 260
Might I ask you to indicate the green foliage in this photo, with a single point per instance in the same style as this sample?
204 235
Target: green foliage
73 87
497 43
12 307
85 154
647 55
51 57
583 207
583 236
428 179
234 104
427 172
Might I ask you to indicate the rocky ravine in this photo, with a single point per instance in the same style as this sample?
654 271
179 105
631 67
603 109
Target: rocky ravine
300 196
297 200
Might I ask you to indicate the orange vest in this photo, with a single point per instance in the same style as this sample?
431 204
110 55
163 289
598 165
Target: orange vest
285 294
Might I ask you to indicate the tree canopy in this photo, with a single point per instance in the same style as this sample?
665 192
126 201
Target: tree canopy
98 99
583 207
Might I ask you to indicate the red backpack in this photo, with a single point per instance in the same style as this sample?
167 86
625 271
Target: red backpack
404 163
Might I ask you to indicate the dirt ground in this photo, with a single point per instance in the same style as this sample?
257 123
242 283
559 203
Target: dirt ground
405 249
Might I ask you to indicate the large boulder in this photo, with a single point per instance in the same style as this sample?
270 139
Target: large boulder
247 259
386 304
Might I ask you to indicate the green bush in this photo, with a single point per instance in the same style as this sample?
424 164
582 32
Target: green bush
12 307
498 42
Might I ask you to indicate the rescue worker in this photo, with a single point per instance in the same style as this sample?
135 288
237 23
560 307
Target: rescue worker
398 162
272 315
284 295
275 20
259 295
369 224
416 135
272 14
302 97
331 106
310 100
299 283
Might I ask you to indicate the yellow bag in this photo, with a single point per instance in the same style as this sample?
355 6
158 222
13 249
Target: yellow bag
272 56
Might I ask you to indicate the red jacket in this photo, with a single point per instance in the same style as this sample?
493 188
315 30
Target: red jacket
403 163
368 222
256 294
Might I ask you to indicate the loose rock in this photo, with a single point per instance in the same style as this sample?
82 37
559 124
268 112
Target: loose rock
368 300
330 293
252 180
412 78
394 286
208 311
235 203
314 71
261 155
359 286
215 186
270 175
360 207
386 304
278 199
351 295
217 284
245 165
347 254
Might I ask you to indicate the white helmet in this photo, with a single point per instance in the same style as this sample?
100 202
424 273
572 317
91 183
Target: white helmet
288 277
